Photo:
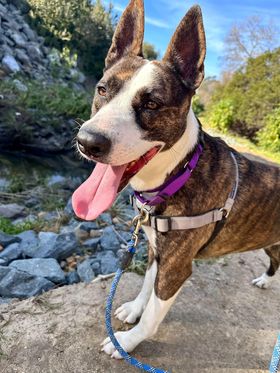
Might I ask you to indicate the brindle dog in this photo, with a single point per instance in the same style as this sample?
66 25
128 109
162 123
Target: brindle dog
141 105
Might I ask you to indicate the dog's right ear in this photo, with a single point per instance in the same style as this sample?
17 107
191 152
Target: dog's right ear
186 51
129 34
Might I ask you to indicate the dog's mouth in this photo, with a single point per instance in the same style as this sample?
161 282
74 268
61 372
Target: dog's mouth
99 191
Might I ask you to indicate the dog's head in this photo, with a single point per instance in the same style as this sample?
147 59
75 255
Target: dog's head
140 106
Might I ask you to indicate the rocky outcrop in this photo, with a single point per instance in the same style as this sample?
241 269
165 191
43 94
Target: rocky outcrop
22 50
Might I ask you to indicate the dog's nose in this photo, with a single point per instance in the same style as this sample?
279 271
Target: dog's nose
93 144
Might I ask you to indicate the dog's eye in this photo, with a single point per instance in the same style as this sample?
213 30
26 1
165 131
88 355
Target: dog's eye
102 91
151 105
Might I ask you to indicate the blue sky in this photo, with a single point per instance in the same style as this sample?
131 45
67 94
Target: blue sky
163 16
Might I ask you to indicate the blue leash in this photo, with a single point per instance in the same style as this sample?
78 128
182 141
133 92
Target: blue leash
275 361
125 261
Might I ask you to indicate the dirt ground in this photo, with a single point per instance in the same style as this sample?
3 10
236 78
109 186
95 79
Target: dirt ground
220 323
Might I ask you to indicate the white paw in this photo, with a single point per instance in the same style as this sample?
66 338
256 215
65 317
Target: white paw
125 339
129 312
262 282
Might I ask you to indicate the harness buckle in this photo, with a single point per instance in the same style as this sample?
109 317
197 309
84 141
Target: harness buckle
225 212
165 218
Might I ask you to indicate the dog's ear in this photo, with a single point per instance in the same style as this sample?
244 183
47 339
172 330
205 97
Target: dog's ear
129 34
187 48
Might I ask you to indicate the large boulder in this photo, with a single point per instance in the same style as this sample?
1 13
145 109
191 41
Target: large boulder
48 268
19 284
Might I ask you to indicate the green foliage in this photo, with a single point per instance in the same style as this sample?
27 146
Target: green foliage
44 102
222 115
6 226
197 106
149 51
254 93
84 27
269 136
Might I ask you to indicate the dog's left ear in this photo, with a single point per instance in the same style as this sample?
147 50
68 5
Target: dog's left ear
129 34
187 48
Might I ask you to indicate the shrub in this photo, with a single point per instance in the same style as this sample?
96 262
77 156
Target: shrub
222 115
197 106
269 136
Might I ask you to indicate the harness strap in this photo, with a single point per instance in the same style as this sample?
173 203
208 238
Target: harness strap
164 224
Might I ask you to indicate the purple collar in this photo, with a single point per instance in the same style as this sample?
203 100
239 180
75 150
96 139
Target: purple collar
171 186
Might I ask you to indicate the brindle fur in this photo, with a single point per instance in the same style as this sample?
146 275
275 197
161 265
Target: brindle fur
254 221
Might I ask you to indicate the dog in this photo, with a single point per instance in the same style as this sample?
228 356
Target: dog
143 131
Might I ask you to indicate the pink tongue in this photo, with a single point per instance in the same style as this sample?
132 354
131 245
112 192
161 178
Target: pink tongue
98 192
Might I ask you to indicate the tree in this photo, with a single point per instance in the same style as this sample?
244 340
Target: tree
149 51
248 39
84 27
253 93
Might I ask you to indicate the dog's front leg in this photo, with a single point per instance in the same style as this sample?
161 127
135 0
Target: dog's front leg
129 312
152 316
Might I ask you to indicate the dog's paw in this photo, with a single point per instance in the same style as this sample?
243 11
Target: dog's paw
129 312
125 339
263 281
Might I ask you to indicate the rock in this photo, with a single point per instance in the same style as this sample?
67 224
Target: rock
47 268
56 179
6 239
30 34
22 57
72 278
34 52
109 262
11 252
10 64
109 239
91 244
20 86
18 39
11 210
85 271
29 243
52 245
106 218
18 284
95 265
28 219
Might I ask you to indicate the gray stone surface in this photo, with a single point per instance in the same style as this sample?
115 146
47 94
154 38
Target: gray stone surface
43 267
109 262
11 252
29 242
109 239
91 244
6 239
85 271
18 284
11 210
58 246
72 278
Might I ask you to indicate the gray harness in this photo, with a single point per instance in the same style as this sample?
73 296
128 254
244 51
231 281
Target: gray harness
164 224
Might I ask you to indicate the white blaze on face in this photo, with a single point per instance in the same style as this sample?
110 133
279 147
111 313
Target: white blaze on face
116 120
